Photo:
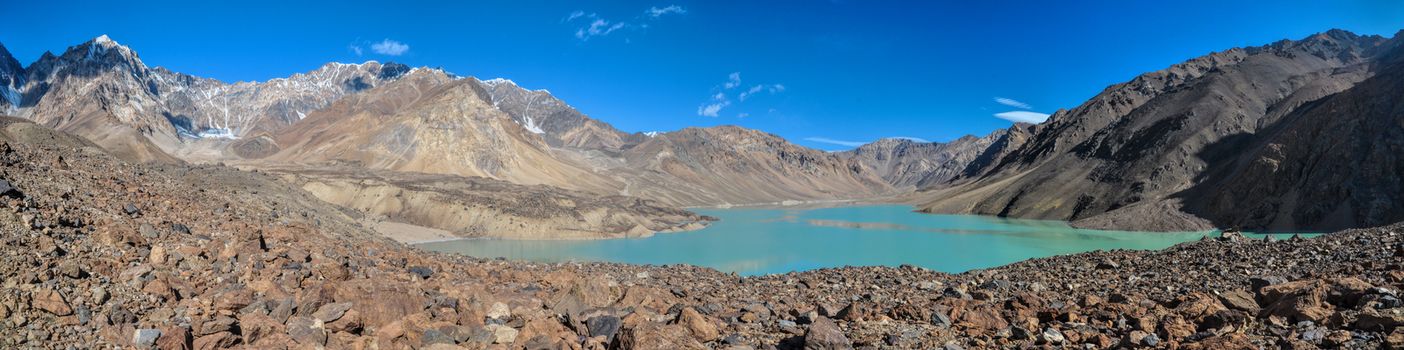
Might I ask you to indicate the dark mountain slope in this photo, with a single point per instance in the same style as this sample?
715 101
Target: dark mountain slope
1332 163
1118 160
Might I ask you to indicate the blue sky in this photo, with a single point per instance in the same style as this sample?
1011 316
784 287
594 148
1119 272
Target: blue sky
821 73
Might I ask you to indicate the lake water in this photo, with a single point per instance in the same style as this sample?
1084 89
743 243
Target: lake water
765 241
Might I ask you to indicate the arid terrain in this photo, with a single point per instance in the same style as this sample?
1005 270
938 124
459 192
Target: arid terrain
146 208
102 253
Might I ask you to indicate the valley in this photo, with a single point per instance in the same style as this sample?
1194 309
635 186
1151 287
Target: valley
377 205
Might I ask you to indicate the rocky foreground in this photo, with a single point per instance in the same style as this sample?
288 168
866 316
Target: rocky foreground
98 253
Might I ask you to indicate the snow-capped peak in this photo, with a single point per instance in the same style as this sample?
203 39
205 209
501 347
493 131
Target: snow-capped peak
495 81
104 40
651 133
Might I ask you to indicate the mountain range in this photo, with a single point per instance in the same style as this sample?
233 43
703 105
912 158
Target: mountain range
1294 135
392 121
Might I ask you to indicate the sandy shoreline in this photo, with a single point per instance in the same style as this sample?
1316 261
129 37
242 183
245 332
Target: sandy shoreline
411 234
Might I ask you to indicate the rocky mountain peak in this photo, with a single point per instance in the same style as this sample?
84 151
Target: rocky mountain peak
11 80
90 58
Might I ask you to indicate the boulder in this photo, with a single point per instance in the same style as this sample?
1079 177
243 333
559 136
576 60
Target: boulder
216 325
51 301
701 326
1297 301
7 190
502 334
219 340
1052 336
146 337
652 336
258 326
174 338
603 326
498 311
331 312
1196 306
1381 320
824 334
424 272
307 331
1239 299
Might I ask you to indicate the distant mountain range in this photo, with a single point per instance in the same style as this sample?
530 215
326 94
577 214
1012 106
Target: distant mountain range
390 117
1294 135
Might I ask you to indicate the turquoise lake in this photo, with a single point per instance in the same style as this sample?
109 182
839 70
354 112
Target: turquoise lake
766 241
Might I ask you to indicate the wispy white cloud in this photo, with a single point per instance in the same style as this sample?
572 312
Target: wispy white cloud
599 26
835 142
355 49
655 12
774 89
720 99
1012 103
390 47
733 80
713 107
1022 116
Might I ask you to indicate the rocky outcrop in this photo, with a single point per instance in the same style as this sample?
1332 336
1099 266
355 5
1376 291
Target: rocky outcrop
1167 139
11 81
557 122
102 91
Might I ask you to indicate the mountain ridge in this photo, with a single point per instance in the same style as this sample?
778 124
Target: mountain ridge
1119 160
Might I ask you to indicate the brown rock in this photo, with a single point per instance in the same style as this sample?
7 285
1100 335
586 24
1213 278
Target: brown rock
174 338
652 336
350 321
502 334
858 311
1380 321
256 327
215 341
51 301
1395 341
1175 328
159 287
1196 306
824 334
700 325
307 330
1240 300
216 325
1297 301
1230 341
1347 290
331 312
157 255
980 318
233 299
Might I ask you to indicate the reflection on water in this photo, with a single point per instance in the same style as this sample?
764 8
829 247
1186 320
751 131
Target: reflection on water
763 241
